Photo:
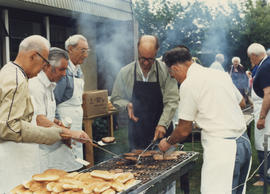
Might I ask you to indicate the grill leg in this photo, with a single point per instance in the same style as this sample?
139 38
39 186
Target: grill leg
184 183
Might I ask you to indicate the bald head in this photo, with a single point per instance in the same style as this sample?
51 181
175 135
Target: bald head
149 41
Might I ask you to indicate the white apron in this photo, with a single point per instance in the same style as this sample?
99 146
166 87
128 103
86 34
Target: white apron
18 163
259 134
72 108
218 165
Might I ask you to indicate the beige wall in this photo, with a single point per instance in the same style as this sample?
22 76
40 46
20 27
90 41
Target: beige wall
89 67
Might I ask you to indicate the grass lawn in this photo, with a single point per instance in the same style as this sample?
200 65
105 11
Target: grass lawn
194 175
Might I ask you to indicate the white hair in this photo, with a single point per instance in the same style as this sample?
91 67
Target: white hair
34 42
256 49
73 40
268 52
236 59
220 58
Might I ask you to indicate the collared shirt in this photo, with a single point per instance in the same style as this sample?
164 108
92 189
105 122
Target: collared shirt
217 65
16 110
145 79
123 87
210 98
41 89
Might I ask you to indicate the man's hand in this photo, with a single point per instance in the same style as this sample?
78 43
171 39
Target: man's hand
261 123
159 132
131 113
79 136
58 122
164 145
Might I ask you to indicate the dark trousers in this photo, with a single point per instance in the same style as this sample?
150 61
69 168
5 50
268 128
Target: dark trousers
261 158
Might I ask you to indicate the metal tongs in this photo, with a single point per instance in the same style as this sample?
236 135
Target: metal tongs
153 142
94 143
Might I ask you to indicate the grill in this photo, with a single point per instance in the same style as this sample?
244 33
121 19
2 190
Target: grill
150 172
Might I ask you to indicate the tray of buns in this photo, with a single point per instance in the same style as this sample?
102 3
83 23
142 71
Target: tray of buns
96 181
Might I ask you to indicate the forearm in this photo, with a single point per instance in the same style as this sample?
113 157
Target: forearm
181 132
43 121
265 104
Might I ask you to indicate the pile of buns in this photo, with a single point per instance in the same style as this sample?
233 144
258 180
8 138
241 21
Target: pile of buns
54 181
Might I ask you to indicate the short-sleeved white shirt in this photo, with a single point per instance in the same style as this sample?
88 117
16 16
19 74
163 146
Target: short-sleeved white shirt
41 91
209 97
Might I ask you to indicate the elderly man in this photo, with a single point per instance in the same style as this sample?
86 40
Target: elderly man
217 64
210 98
19 158
145 88
261 100
41 89
68 94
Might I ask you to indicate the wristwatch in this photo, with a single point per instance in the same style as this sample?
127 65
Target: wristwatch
168 140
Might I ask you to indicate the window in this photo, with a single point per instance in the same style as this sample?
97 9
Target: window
21 25
60 29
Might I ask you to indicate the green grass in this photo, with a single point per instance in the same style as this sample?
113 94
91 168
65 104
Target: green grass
194 175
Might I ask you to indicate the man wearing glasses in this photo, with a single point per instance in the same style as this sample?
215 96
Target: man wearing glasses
145 88
18 155
68 96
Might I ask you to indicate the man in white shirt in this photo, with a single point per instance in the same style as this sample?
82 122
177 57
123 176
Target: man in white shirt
210 98
41 90
217 64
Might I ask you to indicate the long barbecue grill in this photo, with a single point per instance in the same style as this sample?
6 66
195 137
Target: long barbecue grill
151 172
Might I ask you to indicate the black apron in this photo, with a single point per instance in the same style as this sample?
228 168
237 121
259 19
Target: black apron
147 103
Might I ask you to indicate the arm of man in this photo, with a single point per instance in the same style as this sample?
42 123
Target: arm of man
265 108
170 102
14 124
118 97
180 133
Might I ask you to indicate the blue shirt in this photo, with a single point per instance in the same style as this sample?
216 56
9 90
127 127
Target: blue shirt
262 77
65 87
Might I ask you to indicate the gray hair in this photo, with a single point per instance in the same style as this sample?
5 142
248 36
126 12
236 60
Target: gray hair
236 59
268 52
220 58
55 55
73 40
256 49
34 42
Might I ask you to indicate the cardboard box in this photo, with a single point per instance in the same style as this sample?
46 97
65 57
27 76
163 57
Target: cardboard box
95 102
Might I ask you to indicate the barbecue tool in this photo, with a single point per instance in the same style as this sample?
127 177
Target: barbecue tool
153 142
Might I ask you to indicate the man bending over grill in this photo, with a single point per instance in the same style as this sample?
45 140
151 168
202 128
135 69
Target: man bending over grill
209 97
41 89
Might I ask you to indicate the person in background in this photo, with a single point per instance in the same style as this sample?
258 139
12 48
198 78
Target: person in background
239 77
41 89
145 88
19 139
268 52
209 97
260 95
217 64
68 94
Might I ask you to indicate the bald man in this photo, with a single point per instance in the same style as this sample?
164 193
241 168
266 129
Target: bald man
145 89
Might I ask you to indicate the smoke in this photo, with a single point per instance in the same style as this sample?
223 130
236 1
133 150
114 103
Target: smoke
112 44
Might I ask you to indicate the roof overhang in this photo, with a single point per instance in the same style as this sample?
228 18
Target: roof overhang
113 9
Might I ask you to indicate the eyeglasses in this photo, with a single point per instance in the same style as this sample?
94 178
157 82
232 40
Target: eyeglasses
45 60
149 60
83 50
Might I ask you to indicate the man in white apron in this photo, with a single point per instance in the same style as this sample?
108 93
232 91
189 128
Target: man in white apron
210 98
68 95
41 89
260 94
19 139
